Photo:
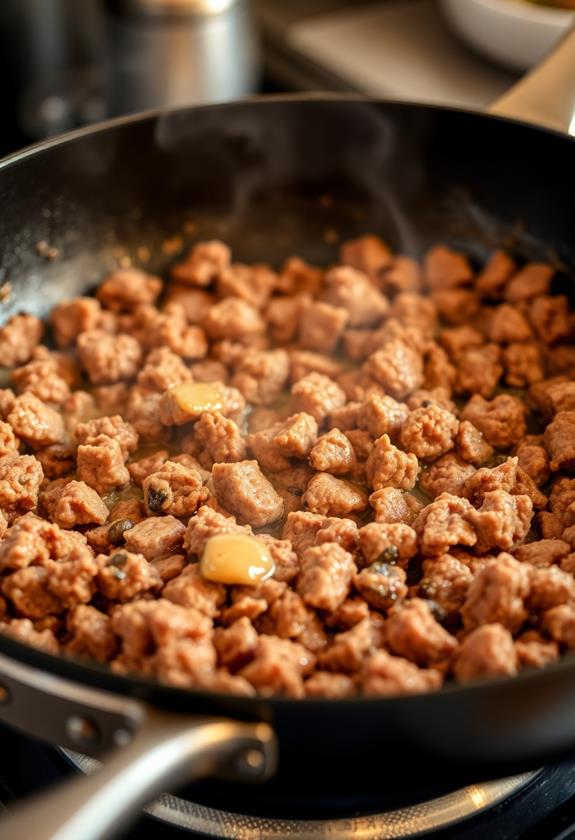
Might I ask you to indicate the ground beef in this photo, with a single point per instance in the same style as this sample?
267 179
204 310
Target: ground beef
74 504
173 489
35 422
447 475
534 651
532 280
375 492
391 505
445 582
20 480
101 464
429 432
559 441
245 491
388 676
491 281
155 537
317 395
487 652
108 358
296 436
497 594
333 453
351 290
502 521
325 578
412 631
388 466
18 338
391 542
479 370
381 585
524 365
501 420
398 367
380 415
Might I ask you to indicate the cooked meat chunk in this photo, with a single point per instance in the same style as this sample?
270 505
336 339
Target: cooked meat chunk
326 574
321 326
74 504
501 420
317 395
532 280
497 594
190 589
487 652
543 553
381 584
367 253
533 651
446 269
155 537
20 480
479 370
101 464
243 489
429 432
173 489
114 427
333 453
207 523
391 505
412 631
127 288
559 440
502 521
388 466
35 422
124 575
297 436
261 375
388 676
381 415
491 281
447 475
391 542
108 358
350 289
445 523
524 365
18 338
332 496
278 667
398 367
203 264
445 581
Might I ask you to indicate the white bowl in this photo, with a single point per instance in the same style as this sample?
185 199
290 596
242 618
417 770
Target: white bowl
514 33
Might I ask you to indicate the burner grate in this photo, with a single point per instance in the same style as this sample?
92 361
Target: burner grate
411 821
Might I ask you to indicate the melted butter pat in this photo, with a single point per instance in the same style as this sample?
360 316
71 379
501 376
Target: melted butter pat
198 397
236 558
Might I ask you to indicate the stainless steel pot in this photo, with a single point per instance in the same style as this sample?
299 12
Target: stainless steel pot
168 53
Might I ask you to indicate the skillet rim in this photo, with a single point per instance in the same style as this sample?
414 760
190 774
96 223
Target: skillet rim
143 688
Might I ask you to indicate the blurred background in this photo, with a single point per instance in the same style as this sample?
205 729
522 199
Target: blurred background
67 63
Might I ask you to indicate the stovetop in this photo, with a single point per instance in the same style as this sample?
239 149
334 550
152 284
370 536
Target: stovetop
536 806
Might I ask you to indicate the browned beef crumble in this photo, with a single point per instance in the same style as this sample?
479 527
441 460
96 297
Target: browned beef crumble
399 439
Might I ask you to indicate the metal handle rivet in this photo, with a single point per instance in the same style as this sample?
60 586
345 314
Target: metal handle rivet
4 694
82 731
122 737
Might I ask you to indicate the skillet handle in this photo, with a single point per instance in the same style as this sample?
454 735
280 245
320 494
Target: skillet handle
168 749
546 95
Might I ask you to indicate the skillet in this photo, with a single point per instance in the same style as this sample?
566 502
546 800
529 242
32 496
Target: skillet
256 174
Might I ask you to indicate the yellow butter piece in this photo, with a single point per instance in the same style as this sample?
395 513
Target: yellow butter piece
236 558
197 398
